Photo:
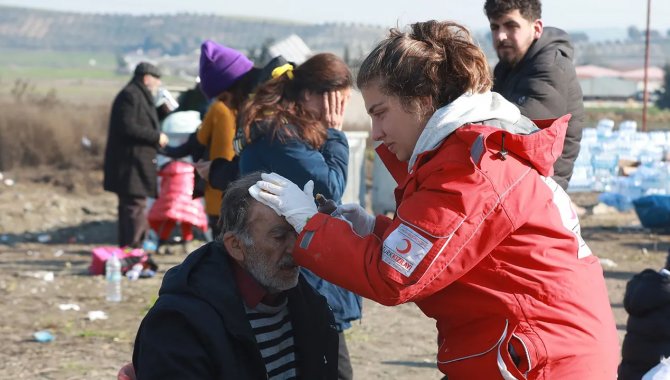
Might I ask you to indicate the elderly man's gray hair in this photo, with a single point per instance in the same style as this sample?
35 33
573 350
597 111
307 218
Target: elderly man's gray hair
235 207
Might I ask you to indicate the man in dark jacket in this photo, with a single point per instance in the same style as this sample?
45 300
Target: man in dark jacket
536 72
130 156
237 308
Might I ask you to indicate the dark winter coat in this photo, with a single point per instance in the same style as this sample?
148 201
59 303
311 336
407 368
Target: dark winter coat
198 328
132 143
299 162
544 85
647 301
327 167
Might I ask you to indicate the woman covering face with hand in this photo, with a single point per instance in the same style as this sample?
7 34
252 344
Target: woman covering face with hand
293 126
483 240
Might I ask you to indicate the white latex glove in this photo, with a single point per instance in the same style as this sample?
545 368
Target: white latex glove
362 222
286 198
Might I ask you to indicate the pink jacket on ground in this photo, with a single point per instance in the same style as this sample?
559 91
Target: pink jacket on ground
489 246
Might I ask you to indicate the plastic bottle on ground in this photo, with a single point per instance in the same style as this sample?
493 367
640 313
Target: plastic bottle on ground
113 277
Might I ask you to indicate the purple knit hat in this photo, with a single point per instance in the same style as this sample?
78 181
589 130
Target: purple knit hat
220 67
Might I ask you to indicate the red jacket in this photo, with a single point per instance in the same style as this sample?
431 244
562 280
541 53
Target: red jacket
175 201
489 246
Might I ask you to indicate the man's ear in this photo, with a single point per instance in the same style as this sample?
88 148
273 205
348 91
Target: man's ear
538 27
233 245
426 107
426 102
146 79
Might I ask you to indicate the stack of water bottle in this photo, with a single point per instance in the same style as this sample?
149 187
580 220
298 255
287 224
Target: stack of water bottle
603 147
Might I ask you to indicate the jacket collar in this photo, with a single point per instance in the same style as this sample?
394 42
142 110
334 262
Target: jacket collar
207 274
539 142
467 108
540 148
554 37
251 291
211 275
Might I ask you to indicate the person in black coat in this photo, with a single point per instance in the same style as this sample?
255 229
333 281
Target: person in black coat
647 340
536 73
207 321
133 140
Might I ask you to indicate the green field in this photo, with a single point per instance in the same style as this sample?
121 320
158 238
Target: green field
23 58
74 72
77 76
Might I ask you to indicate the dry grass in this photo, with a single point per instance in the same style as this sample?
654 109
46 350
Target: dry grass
46 131
42 130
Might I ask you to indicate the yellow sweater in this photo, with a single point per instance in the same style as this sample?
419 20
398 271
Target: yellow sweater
217 131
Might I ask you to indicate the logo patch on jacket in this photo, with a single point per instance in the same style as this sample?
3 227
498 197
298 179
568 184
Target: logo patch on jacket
404 249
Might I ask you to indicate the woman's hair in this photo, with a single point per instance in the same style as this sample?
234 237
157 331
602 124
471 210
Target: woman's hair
435 59
242 87
278 102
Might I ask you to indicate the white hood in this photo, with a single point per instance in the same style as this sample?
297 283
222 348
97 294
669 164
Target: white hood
467 108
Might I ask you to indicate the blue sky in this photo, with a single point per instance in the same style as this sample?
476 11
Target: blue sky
567 14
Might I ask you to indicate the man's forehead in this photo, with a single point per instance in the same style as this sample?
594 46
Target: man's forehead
257 210
262 216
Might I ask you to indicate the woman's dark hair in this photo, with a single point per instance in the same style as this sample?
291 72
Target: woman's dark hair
278 102
242 87
434 59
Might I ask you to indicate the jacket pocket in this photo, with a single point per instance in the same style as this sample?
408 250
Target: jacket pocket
490 349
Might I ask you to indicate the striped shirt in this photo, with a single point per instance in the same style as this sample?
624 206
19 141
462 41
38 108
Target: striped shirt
274 334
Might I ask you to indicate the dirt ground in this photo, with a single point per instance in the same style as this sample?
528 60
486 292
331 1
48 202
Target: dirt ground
50 220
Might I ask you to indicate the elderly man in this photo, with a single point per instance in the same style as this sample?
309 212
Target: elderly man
237 308
536 72
130 156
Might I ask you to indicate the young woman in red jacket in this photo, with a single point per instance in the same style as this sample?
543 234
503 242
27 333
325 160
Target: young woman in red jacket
483 240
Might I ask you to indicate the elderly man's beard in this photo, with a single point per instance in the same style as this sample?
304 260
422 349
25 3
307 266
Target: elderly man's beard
274 277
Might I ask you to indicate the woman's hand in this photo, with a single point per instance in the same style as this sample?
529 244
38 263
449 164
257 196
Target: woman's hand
361 222
333 109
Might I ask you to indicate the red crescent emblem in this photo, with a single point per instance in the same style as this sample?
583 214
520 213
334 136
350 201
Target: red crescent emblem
406 249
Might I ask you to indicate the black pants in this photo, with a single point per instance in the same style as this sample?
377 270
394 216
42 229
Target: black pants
133 225
344 369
